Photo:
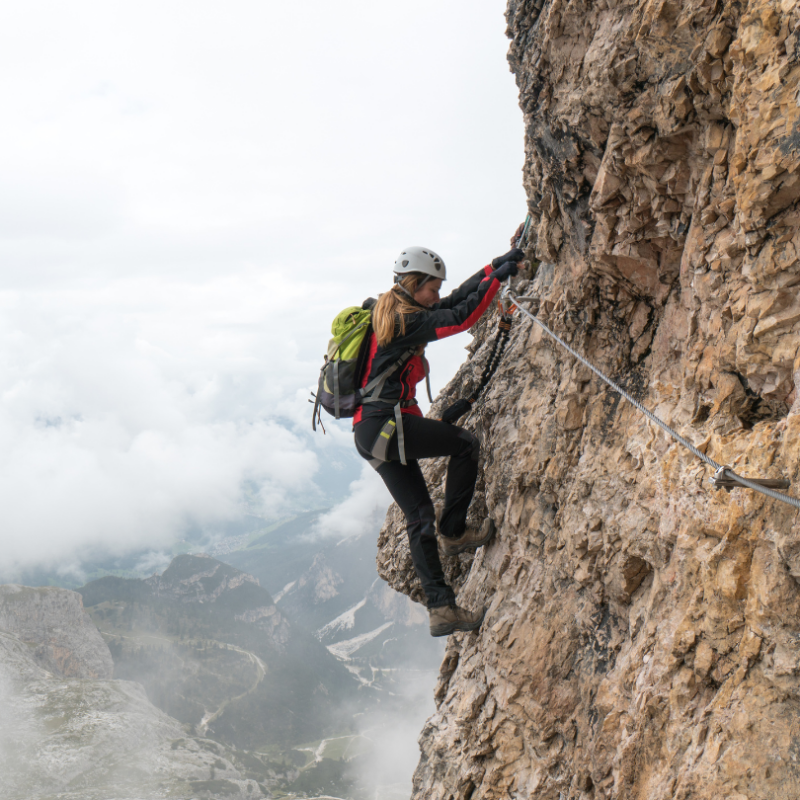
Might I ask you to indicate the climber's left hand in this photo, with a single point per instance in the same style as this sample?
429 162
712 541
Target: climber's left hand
507 270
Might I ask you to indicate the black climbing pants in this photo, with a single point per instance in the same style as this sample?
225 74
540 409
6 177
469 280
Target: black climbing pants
427 438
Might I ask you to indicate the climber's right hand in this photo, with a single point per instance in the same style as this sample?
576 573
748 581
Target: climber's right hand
514 254
456 411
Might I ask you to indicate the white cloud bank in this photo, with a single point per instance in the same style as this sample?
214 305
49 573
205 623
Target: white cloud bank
109 441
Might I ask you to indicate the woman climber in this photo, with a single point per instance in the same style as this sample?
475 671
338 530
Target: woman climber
392 434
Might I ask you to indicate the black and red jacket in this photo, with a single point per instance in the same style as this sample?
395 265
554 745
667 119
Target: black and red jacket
455 313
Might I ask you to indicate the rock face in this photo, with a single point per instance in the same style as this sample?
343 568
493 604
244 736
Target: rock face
642 638
60 634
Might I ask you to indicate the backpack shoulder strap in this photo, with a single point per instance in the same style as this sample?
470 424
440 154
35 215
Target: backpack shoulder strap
377 383
363 356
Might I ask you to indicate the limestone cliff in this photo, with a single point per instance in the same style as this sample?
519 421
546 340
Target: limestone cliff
642 638
56 630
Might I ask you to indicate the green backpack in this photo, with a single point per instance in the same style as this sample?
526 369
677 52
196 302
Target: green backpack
340 377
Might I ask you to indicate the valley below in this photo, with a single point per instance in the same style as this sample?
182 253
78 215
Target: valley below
196 683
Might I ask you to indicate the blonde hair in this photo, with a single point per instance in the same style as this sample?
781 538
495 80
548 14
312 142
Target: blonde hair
390 311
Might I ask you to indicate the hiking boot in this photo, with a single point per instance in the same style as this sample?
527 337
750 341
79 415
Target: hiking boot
469 540
448 619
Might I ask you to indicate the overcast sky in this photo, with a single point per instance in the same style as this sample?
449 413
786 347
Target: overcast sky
191 192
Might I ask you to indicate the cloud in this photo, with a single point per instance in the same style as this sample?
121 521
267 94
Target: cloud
362 511
48 199
115 436
393 733
93 485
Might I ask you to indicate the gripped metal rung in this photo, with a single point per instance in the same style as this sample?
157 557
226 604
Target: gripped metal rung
722 481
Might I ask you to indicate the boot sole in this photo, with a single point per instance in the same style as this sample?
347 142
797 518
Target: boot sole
452 627
455 550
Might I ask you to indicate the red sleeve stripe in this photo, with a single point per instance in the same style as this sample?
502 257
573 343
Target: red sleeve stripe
450 330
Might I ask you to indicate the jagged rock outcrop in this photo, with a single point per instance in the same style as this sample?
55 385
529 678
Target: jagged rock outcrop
642 638
57 631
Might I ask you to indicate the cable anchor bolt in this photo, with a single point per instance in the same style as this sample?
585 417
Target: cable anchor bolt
721 481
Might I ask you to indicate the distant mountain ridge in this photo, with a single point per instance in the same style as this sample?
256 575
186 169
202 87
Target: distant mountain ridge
213 651
242 696
197 579
331 586
280 555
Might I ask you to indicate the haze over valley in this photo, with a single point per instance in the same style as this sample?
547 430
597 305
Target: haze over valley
224 692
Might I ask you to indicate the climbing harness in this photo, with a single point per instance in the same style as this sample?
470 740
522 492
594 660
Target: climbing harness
381 447
724 477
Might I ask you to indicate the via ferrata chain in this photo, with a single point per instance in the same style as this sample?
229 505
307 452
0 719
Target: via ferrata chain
462 406
495 356
507 309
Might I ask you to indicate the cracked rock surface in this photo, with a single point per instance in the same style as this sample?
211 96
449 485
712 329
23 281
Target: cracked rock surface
642 638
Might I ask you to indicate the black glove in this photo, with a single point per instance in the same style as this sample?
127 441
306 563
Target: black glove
507 270
457 410
515 254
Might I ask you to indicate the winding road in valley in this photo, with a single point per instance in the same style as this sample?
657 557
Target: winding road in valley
261 671
210 716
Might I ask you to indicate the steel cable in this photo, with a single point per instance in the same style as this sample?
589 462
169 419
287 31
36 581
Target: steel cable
719 468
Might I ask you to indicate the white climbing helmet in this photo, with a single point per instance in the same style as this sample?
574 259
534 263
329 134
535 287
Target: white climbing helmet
420 259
